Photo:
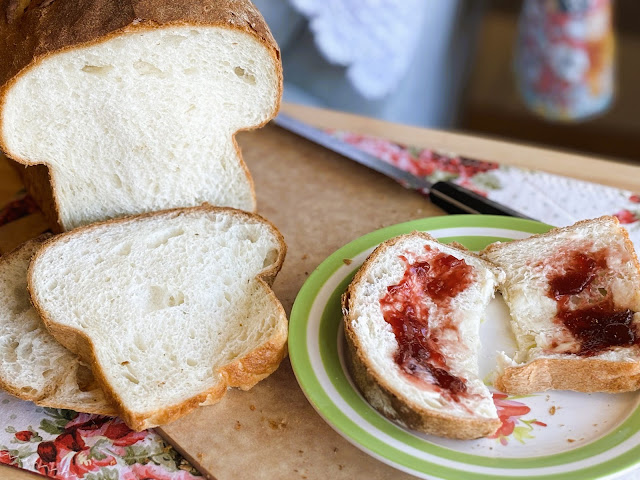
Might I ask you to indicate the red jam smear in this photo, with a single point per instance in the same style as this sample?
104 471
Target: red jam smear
596 324
435 278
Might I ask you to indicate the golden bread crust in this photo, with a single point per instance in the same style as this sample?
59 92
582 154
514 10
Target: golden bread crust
578 374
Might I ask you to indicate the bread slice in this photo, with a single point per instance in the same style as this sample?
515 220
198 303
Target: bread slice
33 365
412 317
169 308
574 297
133 106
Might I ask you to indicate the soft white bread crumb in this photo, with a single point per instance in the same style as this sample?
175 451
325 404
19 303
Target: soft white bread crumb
144 120
373 344
33 365
546 356
171 308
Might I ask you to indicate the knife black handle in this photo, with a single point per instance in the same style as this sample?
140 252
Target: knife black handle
453 198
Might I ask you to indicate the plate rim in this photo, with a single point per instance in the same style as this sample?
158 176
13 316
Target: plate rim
298 351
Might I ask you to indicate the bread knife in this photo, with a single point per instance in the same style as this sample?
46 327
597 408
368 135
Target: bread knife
450 197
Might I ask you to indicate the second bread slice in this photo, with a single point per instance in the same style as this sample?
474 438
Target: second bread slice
170 308
412 317
574 298
33 365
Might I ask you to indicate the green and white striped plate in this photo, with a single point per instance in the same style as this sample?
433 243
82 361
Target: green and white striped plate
552 435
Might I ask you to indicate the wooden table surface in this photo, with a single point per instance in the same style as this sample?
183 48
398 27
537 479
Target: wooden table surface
320 201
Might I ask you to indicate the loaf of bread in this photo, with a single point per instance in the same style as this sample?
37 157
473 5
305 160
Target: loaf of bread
132 106
169 308
33 365
412 317
574 298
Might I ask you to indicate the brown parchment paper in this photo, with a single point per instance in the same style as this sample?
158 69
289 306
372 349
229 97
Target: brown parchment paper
319 201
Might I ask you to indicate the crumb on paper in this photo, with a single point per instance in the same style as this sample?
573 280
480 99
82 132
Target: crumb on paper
306 274
305 256
547 398
340 466
335 449
570 440
252 408
277 425
347 261
595 424
238 425
552 410
200 456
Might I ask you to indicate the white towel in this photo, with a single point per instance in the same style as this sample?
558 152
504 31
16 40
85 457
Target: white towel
374 40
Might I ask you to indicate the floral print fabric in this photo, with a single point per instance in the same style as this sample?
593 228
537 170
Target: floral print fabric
553 199
67 445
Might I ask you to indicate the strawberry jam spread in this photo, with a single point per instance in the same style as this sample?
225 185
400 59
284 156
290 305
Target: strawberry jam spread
585 306
431 280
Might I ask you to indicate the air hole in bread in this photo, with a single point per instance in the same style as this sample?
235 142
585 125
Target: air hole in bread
191 362
51 286
123 249
47 373
28 391
176 299
172 40
139 342
163 237
146 68
270 258
10 355
21 299
245 75
117 181
160 298
190 71
131 378
100 70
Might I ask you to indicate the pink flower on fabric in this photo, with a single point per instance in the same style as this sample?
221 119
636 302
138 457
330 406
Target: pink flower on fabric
121 435
626 217
7 458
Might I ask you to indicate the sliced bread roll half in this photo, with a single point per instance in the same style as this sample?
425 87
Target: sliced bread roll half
574 298
133 105
412 317
33 365
169 308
